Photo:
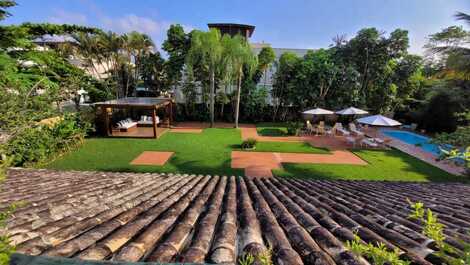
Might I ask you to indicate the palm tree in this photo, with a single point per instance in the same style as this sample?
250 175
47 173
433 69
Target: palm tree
456 51
4 4
206 48
238 54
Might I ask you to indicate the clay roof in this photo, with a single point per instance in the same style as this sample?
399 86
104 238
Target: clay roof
168 218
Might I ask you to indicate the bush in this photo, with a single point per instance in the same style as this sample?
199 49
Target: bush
249 143
293 128
38 143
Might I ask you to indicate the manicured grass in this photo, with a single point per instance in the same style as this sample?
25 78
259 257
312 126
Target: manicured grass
391 165
205 153
210 153
271 129
289 147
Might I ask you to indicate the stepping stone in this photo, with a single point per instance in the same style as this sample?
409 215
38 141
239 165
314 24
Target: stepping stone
152 158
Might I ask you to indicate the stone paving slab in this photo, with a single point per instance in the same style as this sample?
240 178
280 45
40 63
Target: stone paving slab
261 164
152 158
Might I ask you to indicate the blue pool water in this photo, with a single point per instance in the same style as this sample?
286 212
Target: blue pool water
414 139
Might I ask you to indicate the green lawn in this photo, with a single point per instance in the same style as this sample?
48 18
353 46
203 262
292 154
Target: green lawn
210 151
293 147
271 129
392 165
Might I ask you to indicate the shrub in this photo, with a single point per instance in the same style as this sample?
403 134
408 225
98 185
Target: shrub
293 128
249 143
37 143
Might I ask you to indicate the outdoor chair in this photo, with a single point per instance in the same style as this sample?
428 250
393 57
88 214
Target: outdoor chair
351 140
354 130
147 120
378 140
368 143
126 125
332 131
310 129
339 128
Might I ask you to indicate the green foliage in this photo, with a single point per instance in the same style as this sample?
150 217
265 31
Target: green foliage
177 46
293 128
440 113
263 258
459 138
4 5
435 231
249 143
36 144
378 254
247 259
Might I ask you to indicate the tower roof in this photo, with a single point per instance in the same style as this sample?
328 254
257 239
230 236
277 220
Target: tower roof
233 29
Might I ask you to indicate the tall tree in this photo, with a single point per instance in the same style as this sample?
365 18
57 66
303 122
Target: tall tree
177 45
266 58
4 5
206 49
283 86
239 56
451 47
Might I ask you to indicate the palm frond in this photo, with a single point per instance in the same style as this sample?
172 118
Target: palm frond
463 16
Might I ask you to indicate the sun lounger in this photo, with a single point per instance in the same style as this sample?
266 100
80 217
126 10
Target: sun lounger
354 130
339 128
126 125
378 140
369 143
351 140
147 120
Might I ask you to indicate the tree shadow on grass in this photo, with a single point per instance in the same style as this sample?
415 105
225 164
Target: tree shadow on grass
271 132
391 165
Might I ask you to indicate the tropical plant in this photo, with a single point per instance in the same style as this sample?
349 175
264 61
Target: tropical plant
4 5
177 45
435 231
207 50
378 254
238 57
249 143
451 45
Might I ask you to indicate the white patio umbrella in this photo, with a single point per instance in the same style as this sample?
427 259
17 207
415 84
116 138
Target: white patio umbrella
378 120
351 111
318 111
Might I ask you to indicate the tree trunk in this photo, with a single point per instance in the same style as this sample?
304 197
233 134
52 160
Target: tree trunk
237 106
211 97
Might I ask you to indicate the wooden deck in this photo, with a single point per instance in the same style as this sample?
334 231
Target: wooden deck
140 132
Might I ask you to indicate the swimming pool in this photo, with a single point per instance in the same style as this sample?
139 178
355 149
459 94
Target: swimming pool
414 139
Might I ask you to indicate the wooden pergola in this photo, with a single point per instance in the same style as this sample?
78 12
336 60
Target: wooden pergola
105 111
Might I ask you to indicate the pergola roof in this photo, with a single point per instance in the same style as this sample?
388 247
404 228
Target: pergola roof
143 102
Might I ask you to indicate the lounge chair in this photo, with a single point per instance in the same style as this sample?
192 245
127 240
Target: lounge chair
339 128
147 120
354 130
378 140
351 140
332 131
126 125
368 143
320 129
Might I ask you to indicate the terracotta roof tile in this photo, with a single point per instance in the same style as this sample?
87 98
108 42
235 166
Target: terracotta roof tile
189 218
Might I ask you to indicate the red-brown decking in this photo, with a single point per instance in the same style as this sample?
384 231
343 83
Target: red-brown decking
261 164
194 219
152 158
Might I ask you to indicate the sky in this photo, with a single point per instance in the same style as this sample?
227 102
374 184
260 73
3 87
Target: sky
305 24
